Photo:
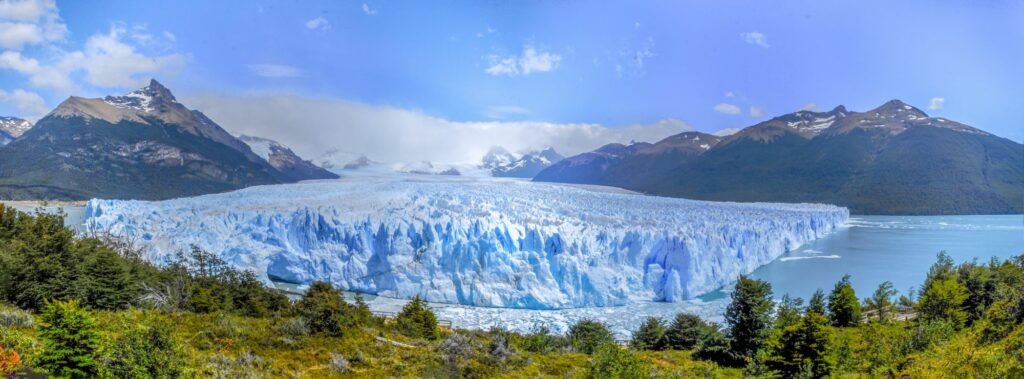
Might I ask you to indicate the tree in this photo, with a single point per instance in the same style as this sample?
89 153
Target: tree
322 307
943 299
881 301
749 317
587 335
69 339
843 306
650 335
417 320
685 332
802 348
106 282
789 312
361 314
817 303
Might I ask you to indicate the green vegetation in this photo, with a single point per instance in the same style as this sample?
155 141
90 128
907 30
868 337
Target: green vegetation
94 308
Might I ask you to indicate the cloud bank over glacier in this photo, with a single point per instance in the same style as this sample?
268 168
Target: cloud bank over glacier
313 126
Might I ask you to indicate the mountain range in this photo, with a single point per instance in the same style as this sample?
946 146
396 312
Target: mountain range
894 159
142 145
502 163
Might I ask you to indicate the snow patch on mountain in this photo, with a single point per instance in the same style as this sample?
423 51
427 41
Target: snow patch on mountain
475 241
11 128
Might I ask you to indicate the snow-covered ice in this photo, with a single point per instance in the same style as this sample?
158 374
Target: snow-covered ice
475 241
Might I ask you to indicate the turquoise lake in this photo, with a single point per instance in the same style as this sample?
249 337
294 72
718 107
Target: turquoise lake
900 249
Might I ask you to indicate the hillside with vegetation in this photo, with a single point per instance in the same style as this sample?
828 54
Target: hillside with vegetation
91 306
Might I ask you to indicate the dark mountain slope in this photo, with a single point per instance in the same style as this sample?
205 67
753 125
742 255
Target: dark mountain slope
890 160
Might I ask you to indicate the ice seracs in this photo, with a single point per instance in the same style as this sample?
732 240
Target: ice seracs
475 241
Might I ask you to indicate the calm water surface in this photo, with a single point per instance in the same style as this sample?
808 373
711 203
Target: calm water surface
900 249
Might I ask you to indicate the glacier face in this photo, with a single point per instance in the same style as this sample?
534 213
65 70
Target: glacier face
475 241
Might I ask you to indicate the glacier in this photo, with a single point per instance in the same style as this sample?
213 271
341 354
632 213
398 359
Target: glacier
474 241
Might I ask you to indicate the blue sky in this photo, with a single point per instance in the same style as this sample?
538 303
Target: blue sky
712 65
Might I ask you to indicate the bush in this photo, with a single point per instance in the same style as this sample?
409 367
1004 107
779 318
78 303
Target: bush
146 351
587 335
650 335
685 332
322 308
69 340
540 340
339 363
417 320
943 300
13 317
292 327
609 361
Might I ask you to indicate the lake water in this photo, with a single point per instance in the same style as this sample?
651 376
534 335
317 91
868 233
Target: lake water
872 249
900 249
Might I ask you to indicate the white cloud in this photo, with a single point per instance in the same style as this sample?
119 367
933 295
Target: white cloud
730 94
501 112
936 103
809 107
170 36
30 104
756 38
486 32
727 132
318 23
368 11
726 108
530 61
756 112
312 126
30 22
267 70
107 60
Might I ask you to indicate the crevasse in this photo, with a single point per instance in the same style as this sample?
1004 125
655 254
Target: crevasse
498 243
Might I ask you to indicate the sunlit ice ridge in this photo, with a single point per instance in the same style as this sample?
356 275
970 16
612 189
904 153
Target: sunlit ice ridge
482 242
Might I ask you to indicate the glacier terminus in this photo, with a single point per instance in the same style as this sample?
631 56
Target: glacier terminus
474 241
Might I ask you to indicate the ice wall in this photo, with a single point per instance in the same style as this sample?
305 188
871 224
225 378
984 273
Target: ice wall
484 242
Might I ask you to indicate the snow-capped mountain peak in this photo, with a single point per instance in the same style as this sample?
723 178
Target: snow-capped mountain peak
497 156
146 99
12 128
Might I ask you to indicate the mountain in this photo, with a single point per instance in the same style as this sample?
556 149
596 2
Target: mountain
143 145
894 159
11 128
290 166
503 164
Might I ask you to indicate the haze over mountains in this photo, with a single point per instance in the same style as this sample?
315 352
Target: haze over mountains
143 145
893 159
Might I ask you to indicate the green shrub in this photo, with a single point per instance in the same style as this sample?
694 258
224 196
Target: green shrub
145 350
943 299
69 340
611 362
417 320
587 335
650 335
322 308
540 340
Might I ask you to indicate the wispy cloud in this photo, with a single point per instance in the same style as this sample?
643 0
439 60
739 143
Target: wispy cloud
502 112
530 61
30 22
756 38
726 108
316 125
369 11
107 60
268 70
318 23
30 104
727 132
936 103
809 107
756 112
